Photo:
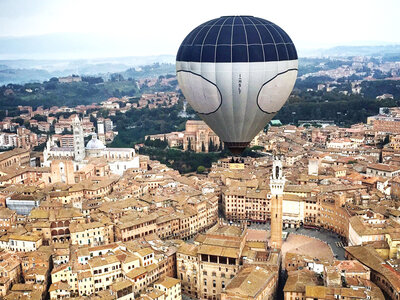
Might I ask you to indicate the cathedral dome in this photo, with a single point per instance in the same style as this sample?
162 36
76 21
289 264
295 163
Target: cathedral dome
95 144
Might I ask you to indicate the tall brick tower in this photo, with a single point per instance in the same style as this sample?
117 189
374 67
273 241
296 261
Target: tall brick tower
277 183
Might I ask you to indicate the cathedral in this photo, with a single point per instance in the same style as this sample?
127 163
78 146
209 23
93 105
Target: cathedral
63 160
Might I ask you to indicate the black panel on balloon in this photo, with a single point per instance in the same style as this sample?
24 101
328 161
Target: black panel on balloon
223 54
271 53
256 53
225 35
208 54
253 36
212 34
237 39
239 54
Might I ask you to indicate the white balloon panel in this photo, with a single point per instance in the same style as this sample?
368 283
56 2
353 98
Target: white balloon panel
237 99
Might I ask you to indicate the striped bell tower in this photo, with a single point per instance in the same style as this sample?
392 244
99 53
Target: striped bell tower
79 144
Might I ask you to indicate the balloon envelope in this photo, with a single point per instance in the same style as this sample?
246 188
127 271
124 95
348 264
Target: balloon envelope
237 72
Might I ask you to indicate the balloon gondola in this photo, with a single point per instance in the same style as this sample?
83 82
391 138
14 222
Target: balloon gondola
237 72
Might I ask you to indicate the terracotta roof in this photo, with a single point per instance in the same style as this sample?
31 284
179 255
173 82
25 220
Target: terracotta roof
6 213
350 266
145 251
298 280
188 249
60 285
136 272
369 257
168 282
26 237
383 167
120 285
99 261
219 251
250 282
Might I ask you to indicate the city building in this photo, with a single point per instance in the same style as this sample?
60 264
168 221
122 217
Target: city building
252 282
206 267
171 288
197 137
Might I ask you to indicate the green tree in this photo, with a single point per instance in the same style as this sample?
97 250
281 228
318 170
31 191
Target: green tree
20 121
220 148
386 140
39 118
200 169
211 147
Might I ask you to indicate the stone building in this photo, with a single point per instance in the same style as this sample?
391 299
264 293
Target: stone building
395 189
382 274
54 225
170 286
197 137
14 158
8 218
206 267
384 123
252 282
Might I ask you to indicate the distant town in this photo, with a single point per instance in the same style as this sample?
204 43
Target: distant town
42 122
82 217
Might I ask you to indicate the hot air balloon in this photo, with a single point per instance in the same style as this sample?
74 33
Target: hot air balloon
237 72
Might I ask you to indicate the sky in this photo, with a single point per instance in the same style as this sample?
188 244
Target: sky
153 27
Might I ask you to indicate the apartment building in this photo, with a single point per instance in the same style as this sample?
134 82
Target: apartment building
88 234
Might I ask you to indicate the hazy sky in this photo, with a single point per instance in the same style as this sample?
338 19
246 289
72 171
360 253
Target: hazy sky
149 27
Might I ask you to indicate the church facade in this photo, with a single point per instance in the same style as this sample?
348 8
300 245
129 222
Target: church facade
64 161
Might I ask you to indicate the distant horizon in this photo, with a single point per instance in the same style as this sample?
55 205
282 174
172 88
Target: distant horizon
88 55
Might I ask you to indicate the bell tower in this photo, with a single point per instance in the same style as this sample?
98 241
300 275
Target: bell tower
79 144
277 184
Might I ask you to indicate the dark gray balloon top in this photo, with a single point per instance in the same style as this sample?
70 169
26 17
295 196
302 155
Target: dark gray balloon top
237 39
